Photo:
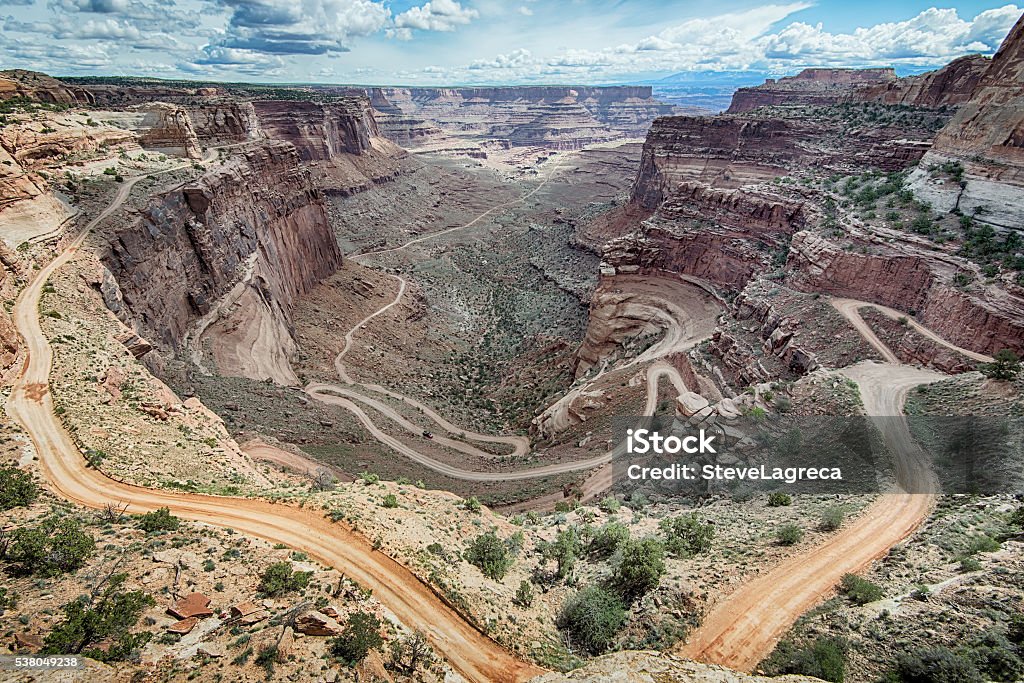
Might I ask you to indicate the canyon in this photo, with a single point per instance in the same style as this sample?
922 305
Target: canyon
366 328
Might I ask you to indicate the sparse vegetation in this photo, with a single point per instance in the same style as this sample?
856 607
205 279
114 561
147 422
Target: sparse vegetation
16 488
490 555
591 617
779 499
361 634
279 579
637 568
54 546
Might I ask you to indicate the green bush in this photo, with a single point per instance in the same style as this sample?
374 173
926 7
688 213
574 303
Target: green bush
279 578
934 665
566 547
789 534
637 568
609 504
685 536
159 520
472 504
859 590
592 617
608 539
53 547
1004 366
825 658
490 555
832 518
113 615
390 501
1017 518
778 499
524 594
16 488
996 657
982 544
360 635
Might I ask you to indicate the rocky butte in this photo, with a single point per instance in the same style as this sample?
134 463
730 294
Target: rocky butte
983 144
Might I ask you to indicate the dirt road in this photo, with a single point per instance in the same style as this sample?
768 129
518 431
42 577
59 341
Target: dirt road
850 309
470 652
743 629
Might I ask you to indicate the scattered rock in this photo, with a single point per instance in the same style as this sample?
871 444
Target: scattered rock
192 605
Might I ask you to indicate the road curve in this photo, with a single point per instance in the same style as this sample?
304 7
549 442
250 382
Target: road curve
743 629
414 603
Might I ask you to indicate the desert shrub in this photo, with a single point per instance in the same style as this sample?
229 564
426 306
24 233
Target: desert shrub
360 635
564 550
113 615
789 534
1005 365
982 544
159 520
472 504
825 658
16 488
685 536
832 518
637 568
279 578
592 617
996 657
778 499
53 547
390 501
607 539
934 665
860 590
609 504
524 594
490 555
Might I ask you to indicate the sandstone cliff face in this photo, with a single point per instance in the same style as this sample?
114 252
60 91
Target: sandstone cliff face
256 228
986 136
39 87
168 129
225 121
723 236
9 340
341 139
809 87
984 320
952 85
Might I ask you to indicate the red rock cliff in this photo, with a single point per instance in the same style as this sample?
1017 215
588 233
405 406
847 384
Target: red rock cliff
258 217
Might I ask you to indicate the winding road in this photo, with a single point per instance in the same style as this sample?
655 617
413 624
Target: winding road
472 653
742 630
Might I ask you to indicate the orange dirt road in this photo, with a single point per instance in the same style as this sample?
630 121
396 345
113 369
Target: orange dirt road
744 628
415 604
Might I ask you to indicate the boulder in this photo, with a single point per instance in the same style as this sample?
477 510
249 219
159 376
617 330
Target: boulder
317 624
184 626
689 403
192 605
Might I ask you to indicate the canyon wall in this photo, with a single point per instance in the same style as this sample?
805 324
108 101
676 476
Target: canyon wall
340 140
225 121
254 231
556 117
952 85
986 139
732 151
724 236
982 318
811 87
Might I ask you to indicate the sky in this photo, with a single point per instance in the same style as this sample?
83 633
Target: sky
457 42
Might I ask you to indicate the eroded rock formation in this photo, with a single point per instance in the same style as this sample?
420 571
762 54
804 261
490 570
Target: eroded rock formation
562 118
255 229
809 87
986 140
168 128
984 318
952 85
